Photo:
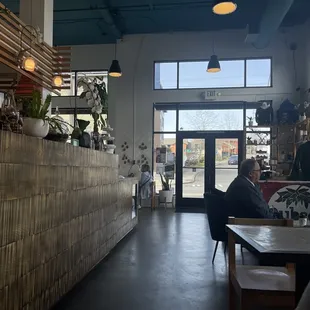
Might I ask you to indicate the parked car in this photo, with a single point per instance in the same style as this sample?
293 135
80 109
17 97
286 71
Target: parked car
233 160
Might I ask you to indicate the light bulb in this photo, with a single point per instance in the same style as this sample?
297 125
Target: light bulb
58 81
224 7
29 64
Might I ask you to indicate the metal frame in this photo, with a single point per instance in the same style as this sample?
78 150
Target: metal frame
219 88
75 79
209 168
241 135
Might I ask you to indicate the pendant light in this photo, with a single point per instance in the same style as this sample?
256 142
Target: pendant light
115 69
58 80
29 64
214 64
221 7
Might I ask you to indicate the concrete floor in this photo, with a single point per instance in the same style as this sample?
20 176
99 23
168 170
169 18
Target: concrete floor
165 263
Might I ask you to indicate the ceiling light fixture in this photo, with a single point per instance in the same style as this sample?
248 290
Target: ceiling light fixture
214 65
115 69
221 7
58 80
29 64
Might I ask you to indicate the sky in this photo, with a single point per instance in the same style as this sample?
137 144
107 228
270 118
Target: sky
192 74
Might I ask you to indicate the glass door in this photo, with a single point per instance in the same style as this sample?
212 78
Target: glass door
205 160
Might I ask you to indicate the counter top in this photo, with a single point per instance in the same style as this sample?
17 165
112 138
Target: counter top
284 181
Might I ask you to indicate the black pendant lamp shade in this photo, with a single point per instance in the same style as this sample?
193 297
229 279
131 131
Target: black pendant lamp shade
222 7
115 69
214 65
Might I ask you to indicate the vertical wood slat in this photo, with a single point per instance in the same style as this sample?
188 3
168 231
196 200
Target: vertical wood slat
54 231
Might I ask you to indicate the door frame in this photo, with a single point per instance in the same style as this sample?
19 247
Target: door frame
197 204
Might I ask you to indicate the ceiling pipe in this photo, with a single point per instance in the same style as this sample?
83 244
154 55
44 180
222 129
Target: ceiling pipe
274 15
108 19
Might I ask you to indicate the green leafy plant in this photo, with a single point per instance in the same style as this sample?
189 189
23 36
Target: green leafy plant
290 196
34 107
96 96
165 182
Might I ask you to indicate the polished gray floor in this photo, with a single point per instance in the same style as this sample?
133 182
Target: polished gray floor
165 263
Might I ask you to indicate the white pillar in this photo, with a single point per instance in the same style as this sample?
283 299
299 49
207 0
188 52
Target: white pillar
39 13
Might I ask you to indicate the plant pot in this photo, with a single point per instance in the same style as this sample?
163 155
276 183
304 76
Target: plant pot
251 123
302 117
166 196
35 127
85 140
110 148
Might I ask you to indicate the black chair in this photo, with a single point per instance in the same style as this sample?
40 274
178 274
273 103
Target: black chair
217 212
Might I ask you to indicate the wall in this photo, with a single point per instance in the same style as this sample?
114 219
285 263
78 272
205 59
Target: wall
131 97
62 209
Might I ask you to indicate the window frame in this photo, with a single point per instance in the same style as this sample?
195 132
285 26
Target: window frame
76 72
215 88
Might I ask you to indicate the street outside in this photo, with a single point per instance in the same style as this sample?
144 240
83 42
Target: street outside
193 181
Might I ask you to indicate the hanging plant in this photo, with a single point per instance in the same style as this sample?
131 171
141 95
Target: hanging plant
95 93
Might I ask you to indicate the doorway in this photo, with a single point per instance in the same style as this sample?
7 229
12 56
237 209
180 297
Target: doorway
205 160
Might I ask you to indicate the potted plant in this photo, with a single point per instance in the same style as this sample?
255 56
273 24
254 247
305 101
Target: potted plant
36 119
250 122
95 93
166 194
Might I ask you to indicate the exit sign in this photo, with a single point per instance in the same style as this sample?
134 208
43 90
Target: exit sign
210 93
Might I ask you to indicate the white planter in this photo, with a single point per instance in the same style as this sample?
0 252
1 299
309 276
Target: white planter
110 148
35 127
302 117
166 196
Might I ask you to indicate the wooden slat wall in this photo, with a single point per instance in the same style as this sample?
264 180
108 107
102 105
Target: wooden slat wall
62 209
15 35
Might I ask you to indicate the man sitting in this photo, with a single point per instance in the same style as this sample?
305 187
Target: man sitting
244 198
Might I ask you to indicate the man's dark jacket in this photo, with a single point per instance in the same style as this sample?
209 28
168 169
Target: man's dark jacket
244 200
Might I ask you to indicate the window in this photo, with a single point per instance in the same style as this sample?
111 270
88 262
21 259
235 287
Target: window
75 76
236 73
258 72
101 75
165 76
194 75
165 120
84 114
71 90
209 120
167 143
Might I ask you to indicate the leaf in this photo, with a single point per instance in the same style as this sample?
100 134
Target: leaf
304 190
83 94
291 190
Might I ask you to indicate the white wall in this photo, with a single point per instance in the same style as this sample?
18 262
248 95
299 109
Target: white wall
131 97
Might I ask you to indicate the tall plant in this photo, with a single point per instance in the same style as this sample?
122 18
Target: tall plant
34 107
165 182
95 93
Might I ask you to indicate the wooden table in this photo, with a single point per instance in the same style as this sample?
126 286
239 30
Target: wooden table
278 245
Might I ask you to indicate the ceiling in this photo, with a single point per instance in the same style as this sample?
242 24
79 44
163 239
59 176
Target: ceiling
103 21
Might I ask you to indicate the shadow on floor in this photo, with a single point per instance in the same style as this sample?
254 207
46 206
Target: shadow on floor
165 263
